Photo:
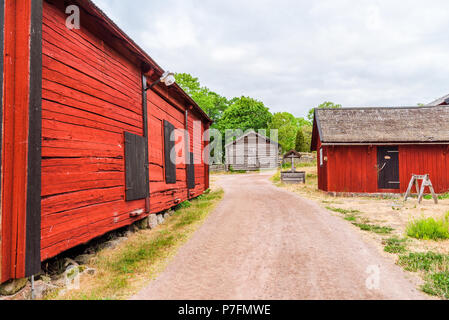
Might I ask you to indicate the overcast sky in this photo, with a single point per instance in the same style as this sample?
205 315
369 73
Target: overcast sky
294 55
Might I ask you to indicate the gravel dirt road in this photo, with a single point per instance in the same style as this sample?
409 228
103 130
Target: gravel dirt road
263 242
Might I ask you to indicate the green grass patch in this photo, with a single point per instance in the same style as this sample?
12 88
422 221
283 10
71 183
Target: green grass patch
276 178
429 229
232 170
374 228
437 285
440 197
351 218
436 269
429 261
184 205
122 272
288 165
343 211
395 245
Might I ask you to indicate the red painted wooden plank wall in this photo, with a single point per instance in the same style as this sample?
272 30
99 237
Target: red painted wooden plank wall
425 159
354 168
91 95
15 138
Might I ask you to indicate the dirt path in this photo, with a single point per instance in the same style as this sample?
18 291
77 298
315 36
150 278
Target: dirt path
263 242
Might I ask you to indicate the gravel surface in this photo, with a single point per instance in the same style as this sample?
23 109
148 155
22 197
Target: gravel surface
263 242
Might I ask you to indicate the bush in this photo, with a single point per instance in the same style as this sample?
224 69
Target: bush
429 229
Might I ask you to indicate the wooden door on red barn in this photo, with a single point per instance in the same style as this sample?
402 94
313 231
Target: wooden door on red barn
388 167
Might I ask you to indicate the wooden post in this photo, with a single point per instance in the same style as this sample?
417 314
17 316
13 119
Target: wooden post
22 139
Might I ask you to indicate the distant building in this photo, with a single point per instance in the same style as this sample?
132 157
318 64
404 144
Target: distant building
252 152
377 150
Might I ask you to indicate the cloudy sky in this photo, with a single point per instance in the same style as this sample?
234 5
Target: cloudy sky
294 55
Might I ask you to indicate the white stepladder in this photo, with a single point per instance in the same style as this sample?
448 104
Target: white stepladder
425 183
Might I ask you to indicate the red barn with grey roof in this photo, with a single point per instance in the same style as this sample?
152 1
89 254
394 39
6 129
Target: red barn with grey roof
377 150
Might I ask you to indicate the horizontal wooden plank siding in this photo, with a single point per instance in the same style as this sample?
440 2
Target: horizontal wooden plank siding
91 96
76 123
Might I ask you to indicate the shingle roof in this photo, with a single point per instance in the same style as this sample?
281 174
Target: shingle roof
444 100
383 125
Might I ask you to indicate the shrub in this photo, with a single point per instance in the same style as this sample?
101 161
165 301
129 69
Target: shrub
429 229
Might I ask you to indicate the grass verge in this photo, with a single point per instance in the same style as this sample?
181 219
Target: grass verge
343 211
429 229
122 272
435 268
374 228
395 245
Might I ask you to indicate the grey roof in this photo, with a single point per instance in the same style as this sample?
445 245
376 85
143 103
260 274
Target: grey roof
440 101
249 133
383 125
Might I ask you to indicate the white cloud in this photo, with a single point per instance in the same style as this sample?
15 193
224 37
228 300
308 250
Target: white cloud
294 55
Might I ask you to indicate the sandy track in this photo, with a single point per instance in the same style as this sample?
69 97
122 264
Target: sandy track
263 242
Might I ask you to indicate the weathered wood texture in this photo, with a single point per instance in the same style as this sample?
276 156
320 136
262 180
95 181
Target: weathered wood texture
253 152
91 96
21 104
354 168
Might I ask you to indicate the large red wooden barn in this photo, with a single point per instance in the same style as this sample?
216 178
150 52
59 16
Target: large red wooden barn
85 149
377 150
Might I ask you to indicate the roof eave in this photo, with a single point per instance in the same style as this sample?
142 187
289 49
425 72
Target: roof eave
88 5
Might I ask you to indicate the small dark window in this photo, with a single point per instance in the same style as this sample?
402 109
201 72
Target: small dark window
169 145
191 172
137 178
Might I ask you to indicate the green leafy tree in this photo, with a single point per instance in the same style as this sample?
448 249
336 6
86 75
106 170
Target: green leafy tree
212 103
287 126
300 141
307 131
325 105
245 113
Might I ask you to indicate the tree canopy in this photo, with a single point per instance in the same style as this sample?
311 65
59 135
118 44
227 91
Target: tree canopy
287 126
212 103
246 113
325 105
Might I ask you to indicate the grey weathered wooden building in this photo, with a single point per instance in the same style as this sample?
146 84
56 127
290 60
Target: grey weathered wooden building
251 152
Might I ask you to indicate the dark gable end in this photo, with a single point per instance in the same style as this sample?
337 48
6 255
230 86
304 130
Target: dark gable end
382 125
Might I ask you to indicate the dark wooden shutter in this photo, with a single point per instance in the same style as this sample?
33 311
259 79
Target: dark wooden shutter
170 167
191 172
137 179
